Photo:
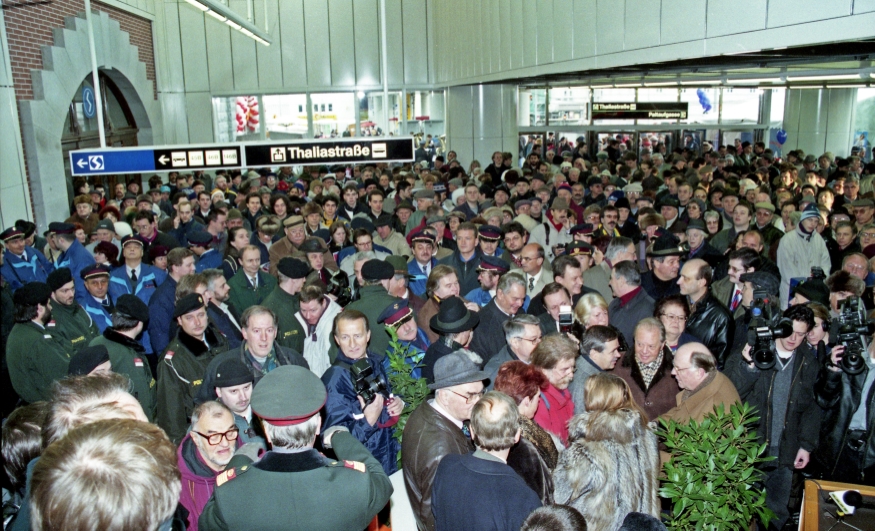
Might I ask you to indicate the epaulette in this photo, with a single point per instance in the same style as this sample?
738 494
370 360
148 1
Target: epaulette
355 465
230 474
168 355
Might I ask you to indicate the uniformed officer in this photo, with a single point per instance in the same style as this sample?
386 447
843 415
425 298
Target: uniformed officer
70 323
90 360
285 302
34 357
250 495
491 268
73 254
398 318
97 301
201 242
22 263
181 371
127 354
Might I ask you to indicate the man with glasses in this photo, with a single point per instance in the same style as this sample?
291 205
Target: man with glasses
203 454
522 333
864 210
867 235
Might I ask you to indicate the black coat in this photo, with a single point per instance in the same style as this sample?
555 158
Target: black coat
489 333
465 271
436 351
284 356
712 324
224 324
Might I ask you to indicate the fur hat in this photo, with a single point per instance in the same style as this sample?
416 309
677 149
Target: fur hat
842 281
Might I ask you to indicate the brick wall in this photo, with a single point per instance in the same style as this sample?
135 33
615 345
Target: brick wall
28 28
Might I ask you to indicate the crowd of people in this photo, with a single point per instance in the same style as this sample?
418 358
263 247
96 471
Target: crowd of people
217 351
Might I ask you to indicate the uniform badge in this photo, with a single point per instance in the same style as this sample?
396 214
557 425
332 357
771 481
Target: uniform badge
169 355
51 323
225 477
355 465
138 362
46 336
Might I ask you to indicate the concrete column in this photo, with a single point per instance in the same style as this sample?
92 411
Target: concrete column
819 120
481 119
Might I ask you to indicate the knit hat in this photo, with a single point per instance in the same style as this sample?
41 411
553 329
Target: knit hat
810 211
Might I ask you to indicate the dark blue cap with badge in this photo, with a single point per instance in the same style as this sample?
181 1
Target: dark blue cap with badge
189 303
582 228
130 238
288 395
11 233
200 238
493 265
94 270
423 236
489 233
578 249
396 314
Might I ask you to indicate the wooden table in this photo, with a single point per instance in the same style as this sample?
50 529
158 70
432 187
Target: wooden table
816 505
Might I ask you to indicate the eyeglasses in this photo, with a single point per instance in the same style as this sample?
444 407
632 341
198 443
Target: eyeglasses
675 318
216 438
854 267
470 397
867 235
679 369
533 341
526 258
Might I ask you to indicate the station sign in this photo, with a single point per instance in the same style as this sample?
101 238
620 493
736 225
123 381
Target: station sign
115 161
646 110
334 151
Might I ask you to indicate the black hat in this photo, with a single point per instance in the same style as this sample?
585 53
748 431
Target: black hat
404 204
288 395
813 289
383 221
493 265
59 278
669 202
133 307
593 181
189 303
453 317
313 245
62 228
129 195
232 372
87 359
157 251
293 268
623 202
130 238
456 368
582 228
11 233
697 224
94 270
27 227
762 280
361 223
669 245
31 294
377 270
200 238
489 233
395 313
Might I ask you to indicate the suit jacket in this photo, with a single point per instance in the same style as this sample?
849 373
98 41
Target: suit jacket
625 317
597 278
723 290
545 278
243 295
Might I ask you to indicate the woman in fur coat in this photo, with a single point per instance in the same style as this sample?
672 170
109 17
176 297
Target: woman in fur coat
611 465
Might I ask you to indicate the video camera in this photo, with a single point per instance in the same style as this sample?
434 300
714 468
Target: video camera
367 385
851 329
763 330
338 285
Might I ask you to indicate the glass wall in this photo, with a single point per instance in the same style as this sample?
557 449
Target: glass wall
425 112
864 123
286 115
236 118
569 105
532 107
333 114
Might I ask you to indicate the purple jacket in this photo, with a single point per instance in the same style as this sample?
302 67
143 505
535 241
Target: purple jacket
198 480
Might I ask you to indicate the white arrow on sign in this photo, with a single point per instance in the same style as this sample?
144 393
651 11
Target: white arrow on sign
82 163
163 159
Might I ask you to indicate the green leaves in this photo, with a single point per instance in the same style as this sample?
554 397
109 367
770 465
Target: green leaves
412 390
712 476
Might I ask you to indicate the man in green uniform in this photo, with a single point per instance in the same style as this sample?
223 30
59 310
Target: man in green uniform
182 367
250 285
374 299
285 303
70 325
35 358
126 354
249 494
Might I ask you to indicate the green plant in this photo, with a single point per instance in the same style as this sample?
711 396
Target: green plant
712 475
412 390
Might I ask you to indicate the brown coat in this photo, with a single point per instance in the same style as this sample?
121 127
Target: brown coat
719 391
88 224
283 248
660 396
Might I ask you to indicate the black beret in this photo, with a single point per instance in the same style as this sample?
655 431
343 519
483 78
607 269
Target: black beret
200 238
232 372
377 270
27 227
31 294
87 359
189 303
293 268
288 395
133 307
59 277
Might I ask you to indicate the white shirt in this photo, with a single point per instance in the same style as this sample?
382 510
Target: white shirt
137 269
316 352
433 403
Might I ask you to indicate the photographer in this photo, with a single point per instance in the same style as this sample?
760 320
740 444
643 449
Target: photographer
847 445
784 398
371 422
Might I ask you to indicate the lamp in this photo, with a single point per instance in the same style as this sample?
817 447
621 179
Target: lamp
223 14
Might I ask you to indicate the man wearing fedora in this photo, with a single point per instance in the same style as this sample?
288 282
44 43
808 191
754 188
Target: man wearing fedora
455 324
437 429
665 262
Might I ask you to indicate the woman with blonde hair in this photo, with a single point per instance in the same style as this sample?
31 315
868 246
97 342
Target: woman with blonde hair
612 462
591 310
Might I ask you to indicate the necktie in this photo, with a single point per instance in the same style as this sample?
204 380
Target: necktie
425 269
465 428
254 282
134 276
107 305
736 299
531 283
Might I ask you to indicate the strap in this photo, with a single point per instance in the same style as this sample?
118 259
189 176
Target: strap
546 233
545 401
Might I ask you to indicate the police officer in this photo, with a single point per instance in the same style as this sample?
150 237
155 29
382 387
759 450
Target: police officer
249 494
182 368
127 354
22 263
70 323
97 301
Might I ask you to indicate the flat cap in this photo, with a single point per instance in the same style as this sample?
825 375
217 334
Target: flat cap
94 270
395 313
59 278
105 224
87 359
144 198
522 203
361 222
668 202
863 203
288 395
313 245
133 307
377 270
31 294
633 187
293 268
404 205
765 205
559 204
697 224
489 233
292 221
424 194
232 372
493 265
439 218
189 303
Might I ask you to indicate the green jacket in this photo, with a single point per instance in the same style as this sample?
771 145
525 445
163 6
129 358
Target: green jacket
289 333
181 372
35 359
286 491
373 300
72 326
243 295
128 357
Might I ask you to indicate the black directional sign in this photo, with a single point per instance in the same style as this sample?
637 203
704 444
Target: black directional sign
641 111
197 157
334 151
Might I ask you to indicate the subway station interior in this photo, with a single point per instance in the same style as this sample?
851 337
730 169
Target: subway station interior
483 76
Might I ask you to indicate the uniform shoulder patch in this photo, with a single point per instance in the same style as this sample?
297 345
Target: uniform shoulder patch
229 474
355 465
168 355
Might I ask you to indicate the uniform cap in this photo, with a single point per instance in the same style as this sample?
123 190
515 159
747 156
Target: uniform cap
187 304
578 249
59 278
133 307
493 265
232 372
582 228
157 251
288 395
94 270
200 238
399 264
293 268
132 239
62 228
423 237
87 359
395 313
489 233
31 294
11 233
377 270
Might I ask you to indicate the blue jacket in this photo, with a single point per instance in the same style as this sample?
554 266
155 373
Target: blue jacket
147 284
415 352
102 319
18 272
181 233
76 258
161 314
343 409
417 283
209 260
482 298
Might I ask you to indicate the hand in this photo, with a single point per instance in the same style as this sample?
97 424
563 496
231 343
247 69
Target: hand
573 338
176 222
801 460
746 353
394 406
372 411
836 357
472 306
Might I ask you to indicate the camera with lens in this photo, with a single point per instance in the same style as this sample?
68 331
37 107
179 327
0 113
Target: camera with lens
851 329
367 384
566 319
338 285
764 329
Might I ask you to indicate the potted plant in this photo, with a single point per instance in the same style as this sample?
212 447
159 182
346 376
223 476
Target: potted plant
412 390
712 478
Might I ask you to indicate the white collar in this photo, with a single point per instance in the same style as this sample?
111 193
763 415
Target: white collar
434 403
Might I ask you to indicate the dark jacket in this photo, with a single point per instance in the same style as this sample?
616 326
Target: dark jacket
223 323
626 316
657 288
803 419
72 326
465 271
374 299
713 325
243 295
527 460
428 438
489 333
661 395
35 360
161 314
128 357
437 350
281 356
289 332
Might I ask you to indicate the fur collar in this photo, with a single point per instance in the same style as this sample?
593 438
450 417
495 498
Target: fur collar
196 346
123 340
621 426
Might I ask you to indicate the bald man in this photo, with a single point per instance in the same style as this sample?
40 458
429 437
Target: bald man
703 387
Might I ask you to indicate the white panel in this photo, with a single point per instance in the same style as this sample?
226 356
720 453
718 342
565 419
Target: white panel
520 29
584 28
460 110
172 107
487 110
609 26
243 55
530 33
723 17
14 198
506 40
194 50
342 43
683 20
641 20
563 37
367 42
786 12
494 33
218 51
864 6
316 37
170 73
478 55
199 111
415 42
394 42
292 43
545 32
270 61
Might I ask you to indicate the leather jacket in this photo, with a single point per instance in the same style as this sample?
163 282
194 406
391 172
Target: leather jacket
839 394
713 325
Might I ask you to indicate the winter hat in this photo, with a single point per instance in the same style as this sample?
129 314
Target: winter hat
810 211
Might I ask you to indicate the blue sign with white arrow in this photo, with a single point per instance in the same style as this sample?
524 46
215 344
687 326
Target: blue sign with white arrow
115 161
89 107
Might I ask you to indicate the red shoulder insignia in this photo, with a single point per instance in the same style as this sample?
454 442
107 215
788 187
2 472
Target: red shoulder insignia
355 465
225 477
